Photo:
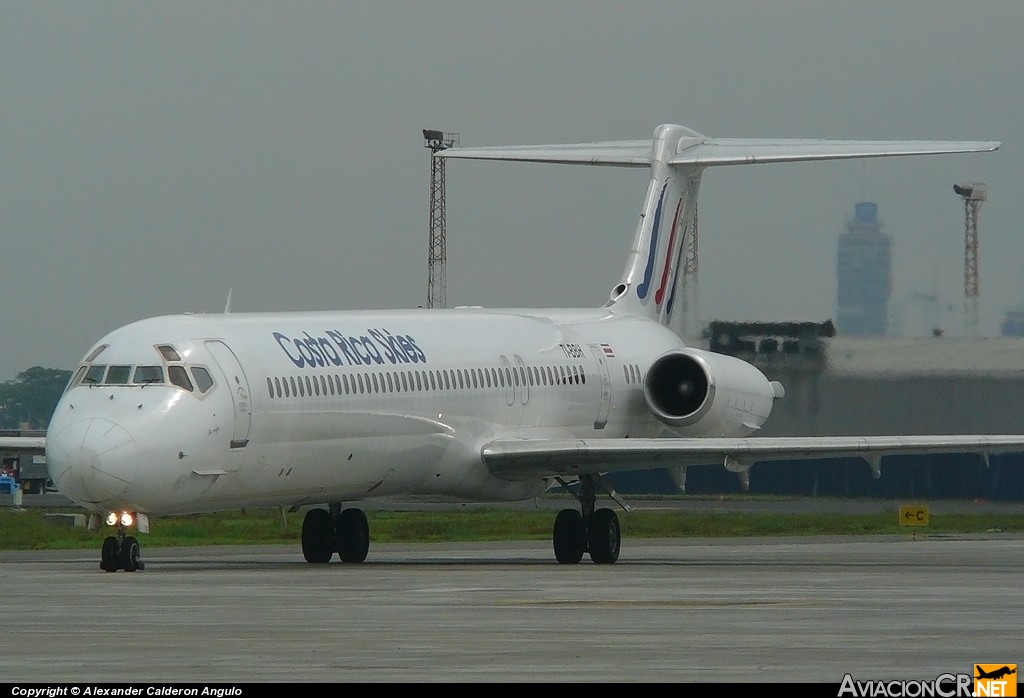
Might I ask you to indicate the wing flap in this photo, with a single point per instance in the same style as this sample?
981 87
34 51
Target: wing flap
521 459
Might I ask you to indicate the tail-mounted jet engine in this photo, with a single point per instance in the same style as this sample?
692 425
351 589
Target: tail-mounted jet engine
700 393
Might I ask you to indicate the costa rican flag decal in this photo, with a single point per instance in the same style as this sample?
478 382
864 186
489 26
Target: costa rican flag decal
608 351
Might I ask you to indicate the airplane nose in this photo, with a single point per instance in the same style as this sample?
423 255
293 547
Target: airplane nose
92 460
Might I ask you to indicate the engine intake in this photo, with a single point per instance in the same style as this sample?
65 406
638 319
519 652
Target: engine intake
679 388
703 393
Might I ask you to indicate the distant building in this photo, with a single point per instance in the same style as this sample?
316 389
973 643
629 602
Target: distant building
1013 324
863 275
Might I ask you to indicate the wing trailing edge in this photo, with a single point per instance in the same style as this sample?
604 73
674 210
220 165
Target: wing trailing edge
520 459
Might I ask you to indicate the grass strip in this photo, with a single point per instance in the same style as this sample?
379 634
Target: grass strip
34 529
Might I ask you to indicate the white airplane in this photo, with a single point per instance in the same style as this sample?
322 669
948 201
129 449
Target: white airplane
195 413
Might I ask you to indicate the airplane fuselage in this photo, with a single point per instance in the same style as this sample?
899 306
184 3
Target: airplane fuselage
339 406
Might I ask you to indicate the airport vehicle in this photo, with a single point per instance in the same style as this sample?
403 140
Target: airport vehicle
192 413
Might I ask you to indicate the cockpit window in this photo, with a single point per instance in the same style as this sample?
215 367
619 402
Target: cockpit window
148 374
179 377
168 352
118 375
94 353
79 375
203 379
95 374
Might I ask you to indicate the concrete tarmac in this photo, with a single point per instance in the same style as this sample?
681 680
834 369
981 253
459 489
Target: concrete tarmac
689 610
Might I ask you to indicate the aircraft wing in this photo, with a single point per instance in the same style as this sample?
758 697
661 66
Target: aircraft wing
522 459
23 444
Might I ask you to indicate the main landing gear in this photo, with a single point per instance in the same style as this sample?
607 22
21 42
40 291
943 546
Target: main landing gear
588 530
333 530
121 552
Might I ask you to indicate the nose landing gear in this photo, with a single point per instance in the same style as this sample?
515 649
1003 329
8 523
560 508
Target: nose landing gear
121 552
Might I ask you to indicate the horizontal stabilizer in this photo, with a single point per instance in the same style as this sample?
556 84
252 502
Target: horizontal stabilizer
751 151
694 149
614 153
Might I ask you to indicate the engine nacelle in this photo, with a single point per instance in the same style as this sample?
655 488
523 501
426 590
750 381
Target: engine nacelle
700 393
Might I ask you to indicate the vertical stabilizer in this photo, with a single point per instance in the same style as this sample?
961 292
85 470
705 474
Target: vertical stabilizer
649 281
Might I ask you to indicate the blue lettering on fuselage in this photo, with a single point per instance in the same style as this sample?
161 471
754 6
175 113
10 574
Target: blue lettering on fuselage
334 348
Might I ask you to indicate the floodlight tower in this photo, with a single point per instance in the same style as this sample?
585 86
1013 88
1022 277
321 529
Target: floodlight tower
973 196
437 254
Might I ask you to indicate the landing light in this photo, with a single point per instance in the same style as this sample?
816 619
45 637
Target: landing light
126 518
112 518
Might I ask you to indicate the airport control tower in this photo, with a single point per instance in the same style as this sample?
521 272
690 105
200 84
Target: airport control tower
863 275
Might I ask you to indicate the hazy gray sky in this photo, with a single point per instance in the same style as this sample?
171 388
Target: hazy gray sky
154 155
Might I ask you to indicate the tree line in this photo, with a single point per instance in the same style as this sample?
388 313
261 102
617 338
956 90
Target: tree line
28 401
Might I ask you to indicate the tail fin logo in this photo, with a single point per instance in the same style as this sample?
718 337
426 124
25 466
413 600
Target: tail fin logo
645 286
660 293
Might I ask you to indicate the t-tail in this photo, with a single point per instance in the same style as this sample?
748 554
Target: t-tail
677 157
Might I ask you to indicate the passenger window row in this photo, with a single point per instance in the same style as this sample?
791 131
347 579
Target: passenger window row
433 380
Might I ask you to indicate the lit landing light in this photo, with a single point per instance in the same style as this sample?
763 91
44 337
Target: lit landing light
92 461
125 518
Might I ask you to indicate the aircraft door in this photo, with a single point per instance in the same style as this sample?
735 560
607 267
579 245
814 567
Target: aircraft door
519 371
510 393
238 385
606 386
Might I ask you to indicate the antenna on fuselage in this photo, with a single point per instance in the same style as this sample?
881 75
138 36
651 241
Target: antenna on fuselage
227 305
